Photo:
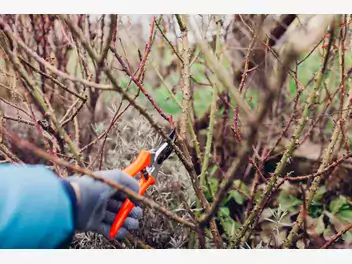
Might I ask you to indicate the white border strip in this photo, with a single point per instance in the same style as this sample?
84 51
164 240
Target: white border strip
177 6
176 256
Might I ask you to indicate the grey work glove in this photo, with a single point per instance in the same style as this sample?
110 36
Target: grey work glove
100 203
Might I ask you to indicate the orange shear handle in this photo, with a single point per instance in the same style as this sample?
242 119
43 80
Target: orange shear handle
141 162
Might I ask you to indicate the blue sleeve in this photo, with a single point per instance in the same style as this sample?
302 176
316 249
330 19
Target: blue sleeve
36 208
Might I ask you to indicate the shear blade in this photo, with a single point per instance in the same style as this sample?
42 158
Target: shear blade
165 149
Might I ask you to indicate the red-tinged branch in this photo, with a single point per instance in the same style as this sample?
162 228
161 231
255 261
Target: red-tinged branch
167 117
328 168
138 75
235 126
136 79
337 236
148 45
47 30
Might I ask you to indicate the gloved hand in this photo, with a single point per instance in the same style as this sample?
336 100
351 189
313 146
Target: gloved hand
99 203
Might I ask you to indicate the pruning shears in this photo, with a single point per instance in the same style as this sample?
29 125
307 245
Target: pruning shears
148 163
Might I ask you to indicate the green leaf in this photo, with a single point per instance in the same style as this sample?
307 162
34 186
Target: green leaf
242 186
214 184
347 237
213 187
230 226
212 170
292 86
315 210
345 215
239 198
319 194
225 211
346 206
336 204
288 201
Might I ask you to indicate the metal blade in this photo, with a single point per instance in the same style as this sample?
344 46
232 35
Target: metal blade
165 149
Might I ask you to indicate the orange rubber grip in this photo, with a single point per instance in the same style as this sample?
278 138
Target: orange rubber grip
142 161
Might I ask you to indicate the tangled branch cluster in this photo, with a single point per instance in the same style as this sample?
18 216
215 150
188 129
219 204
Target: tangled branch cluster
80 95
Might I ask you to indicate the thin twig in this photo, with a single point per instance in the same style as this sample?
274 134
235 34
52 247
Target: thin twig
323 171
167 117
168 41
326 159
20 120
126 96
337 236
105 50
131 194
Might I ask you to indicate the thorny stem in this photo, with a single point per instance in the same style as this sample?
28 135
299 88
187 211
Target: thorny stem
203 176
207 154
323 171
246 63
316 182
314 124
52 79
343 33
138 75
131 100
37 126
113 121
9 154
39 98
172 95
283 132
186 97
105 50
236 166
242 83
286 156
190 126
167 117
226 82
15 106
181 23
147 49
337 236
65 122
168 41
27 122
49 66
186 92
69 111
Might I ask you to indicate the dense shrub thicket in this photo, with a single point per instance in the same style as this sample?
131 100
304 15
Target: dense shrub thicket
261 106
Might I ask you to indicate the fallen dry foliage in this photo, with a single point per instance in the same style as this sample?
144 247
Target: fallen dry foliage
261 106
